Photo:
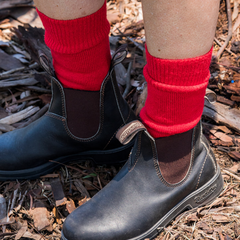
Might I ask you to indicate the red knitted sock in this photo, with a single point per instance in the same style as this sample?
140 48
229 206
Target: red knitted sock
176 90
80 49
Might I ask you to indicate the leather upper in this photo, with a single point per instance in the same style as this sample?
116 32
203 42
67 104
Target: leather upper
49 137
138 197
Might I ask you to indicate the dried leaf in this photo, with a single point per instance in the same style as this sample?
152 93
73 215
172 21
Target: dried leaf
29 235
220 218
224 129
22 231
70 205
40 216
235 155
82 201
234 168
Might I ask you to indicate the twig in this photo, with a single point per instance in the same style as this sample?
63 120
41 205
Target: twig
21 201
229 51
16 117
227 189
9 72
237 23
193 229
174 236
229 14
39 114
99 182
231 174
13 201
131 40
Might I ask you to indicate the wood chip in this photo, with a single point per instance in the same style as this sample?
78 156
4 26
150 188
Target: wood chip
221 113
22 231
22 82
219 218
222 136
58 192
231 174
7 62
235 98
14 3
70 205
235 155
81 188
3 209
29 235
225 101
16 117
6 127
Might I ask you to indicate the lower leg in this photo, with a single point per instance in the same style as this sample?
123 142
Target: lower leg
77 34
179 37
179 29
68 9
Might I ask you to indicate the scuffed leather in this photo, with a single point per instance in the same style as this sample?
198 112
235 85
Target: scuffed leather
138 197
49 137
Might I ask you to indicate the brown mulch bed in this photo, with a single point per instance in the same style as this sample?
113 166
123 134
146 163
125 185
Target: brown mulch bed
36 209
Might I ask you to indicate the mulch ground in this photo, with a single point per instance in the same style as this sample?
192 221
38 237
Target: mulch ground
36 209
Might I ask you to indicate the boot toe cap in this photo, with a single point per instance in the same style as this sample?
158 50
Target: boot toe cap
79 226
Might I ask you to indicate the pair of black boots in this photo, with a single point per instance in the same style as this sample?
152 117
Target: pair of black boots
138 203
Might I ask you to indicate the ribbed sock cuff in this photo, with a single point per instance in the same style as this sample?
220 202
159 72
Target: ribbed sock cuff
176 90
71 36
80 49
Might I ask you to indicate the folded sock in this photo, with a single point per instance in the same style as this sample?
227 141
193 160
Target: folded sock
80 49
176 90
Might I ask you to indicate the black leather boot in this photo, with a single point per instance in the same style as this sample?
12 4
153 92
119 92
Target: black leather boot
25 153
138 203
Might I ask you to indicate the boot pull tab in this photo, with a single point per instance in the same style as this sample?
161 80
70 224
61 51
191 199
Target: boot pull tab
119 55
129 131
45 63
210 96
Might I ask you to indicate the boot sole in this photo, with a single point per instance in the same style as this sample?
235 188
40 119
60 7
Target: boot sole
112 156
203 196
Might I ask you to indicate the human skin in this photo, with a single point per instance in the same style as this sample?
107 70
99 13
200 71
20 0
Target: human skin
68 9
178 29
175 29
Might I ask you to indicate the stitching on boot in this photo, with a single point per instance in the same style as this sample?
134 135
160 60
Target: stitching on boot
210 154
201 171
101 114
62 96
214 163
101 119
116 132
50 114
193 152
137 154
112 137
117 100
192 160
81 139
